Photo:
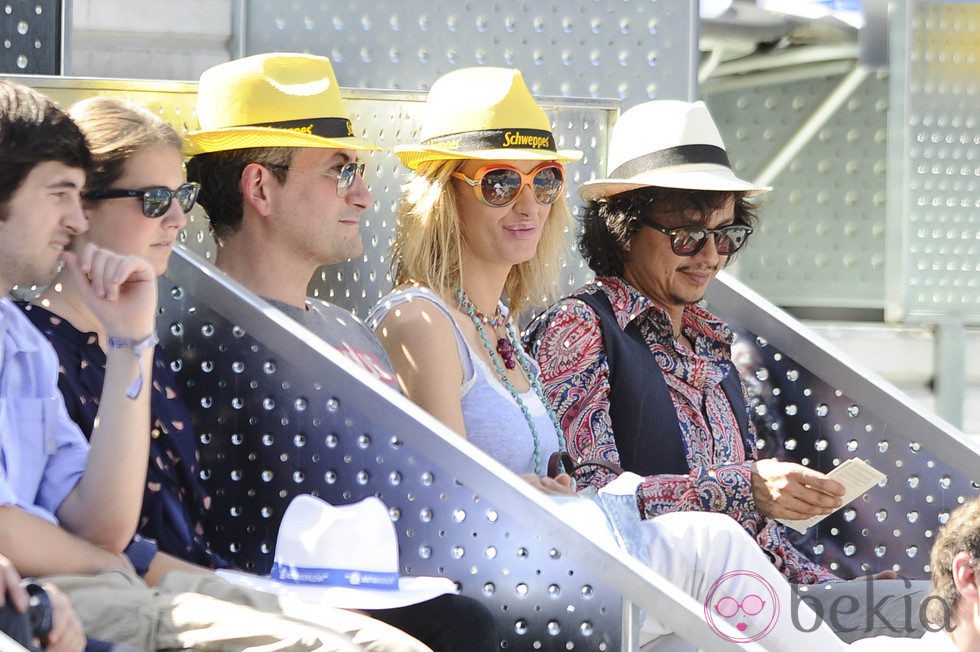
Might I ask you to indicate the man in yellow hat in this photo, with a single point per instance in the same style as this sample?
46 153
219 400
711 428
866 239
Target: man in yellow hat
283 187
281 181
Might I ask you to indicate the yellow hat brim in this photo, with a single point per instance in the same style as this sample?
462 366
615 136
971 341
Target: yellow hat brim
229 138
411 156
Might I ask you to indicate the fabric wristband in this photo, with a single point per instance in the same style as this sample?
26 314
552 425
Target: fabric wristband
141 553
138 346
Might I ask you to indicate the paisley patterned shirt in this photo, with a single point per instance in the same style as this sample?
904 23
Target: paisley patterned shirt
567 342
175 504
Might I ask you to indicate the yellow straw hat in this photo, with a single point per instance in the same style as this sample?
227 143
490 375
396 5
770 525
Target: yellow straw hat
271 100
483 113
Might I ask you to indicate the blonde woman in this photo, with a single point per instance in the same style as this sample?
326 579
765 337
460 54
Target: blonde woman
479 232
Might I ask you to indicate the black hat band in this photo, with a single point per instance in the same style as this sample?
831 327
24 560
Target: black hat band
534 139
680 155
323 127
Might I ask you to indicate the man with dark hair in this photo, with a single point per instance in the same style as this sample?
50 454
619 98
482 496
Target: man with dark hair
51 476
283 187
641 376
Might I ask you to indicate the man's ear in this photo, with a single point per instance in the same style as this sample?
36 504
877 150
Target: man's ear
257 186
965 577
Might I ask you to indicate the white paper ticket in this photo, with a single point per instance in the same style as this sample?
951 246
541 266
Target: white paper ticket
856 475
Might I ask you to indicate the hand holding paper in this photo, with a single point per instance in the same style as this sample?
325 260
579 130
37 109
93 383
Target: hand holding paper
856 475
792 491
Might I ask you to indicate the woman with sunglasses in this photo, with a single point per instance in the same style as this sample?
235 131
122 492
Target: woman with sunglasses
481 221
480 225
136 202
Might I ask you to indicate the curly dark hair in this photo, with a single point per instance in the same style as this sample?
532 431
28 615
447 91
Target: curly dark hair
609 224
220 176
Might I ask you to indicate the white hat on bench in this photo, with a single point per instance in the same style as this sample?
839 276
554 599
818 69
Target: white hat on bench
343 557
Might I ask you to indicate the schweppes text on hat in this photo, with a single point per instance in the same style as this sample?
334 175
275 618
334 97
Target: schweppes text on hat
535 139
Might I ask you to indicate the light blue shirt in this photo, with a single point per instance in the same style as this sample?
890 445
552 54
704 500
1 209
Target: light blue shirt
42 451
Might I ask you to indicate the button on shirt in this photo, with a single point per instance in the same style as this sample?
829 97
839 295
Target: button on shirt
42 452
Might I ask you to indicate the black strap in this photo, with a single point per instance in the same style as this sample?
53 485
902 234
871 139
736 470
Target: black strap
562 462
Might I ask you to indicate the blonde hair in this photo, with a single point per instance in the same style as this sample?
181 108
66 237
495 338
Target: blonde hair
116 129
428 246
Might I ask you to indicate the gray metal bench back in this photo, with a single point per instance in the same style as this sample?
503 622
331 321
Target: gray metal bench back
278 413
812 405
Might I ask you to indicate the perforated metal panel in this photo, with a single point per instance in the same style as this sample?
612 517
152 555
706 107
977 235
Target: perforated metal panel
804 419
268 431
821 236
279 413
941 140
31 32
813 407
581 48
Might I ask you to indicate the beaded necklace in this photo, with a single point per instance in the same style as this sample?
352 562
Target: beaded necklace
513 346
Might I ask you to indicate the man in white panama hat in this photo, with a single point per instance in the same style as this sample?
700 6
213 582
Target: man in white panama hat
641 375
282 183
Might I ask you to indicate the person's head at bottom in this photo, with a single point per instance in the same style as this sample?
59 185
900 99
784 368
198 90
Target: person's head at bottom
955 561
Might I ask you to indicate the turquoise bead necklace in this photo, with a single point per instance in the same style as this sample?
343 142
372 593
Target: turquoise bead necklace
515 347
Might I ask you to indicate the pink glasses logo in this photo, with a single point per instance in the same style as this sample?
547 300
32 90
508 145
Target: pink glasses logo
742 600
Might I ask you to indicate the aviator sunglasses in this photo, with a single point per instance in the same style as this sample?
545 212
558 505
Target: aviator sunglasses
500 185
156 201
689 240
344 174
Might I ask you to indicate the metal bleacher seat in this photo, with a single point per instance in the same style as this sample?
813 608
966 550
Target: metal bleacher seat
279 413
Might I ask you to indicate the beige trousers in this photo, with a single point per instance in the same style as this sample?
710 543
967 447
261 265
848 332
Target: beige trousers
204 612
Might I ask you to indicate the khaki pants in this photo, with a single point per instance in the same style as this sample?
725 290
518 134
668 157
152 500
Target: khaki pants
204 612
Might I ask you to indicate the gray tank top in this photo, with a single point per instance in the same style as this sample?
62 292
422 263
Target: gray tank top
494 422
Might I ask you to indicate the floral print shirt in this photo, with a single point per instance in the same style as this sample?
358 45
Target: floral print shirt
175 504
567 342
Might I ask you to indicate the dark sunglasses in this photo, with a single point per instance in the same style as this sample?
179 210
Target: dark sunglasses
156 201
500 185
689 240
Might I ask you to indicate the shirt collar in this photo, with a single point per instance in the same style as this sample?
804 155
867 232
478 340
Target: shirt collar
14 325
630 304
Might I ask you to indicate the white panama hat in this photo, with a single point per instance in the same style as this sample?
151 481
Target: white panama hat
344 557
668 144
